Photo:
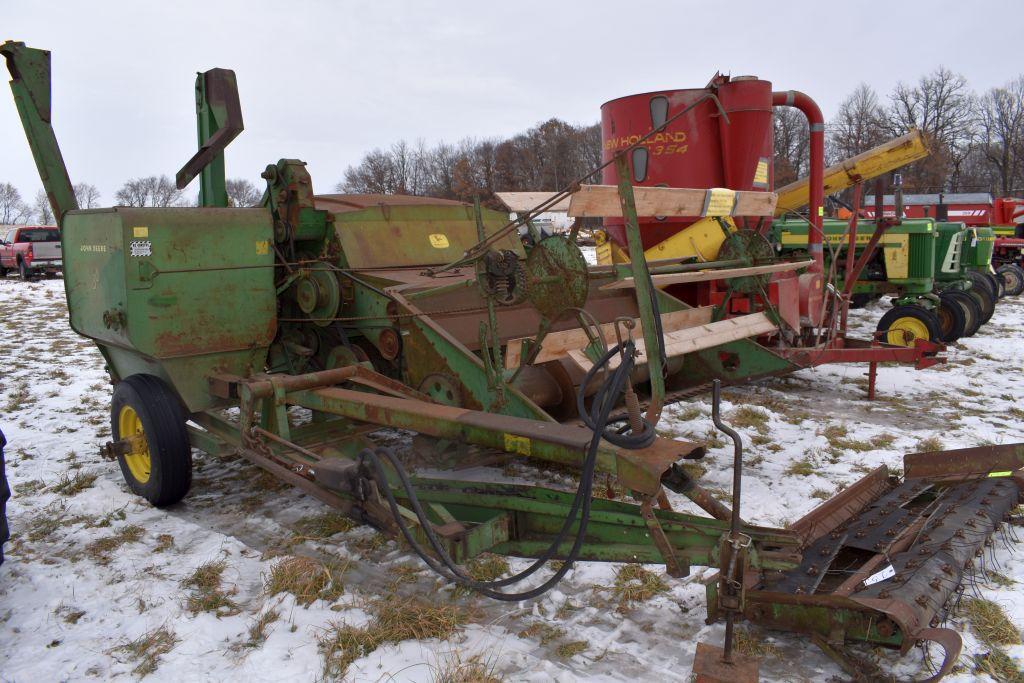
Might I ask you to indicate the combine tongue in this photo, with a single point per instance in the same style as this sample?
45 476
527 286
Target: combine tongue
882 560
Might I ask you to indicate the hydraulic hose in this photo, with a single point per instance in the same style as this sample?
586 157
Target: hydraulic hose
605 399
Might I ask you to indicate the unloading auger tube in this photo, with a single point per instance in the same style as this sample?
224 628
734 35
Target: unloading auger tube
316 311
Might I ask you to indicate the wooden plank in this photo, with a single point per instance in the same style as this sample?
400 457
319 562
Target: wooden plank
522 202
697 338
556 344
603 200
711 274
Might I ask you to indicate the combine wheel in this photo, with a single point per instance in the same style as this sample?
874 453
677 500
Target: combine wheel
970 308
952 320
904 324
157 463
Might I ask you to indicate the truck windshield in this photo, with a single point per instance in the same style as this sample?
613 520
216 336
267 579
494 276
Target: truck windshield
40 235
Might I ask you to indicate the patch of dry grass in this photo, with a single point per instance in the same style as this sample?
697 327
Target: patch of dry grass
997 664
323 526
392 620
749 417
801 468
542 631
101 549
749 644
206 593
989 622
147 649
72 485
932 443
634 583
473 670
567 650
305 578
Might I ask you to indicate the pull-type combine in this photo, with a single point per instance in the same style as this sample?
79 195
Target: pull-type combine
300 331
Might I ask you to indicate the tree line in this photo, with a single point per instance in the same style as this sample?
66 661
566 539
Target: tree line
976 142
157 191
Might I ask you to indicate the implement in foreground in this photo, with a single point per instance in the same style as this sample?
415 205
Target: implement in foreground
297 332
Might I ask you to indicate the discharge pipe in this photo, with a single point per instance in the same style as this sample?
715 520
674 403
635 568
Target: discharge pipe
816 181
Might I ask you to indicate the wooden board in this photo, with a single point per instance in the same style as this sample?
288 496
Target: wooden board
603 200
697 338
707 275
522 202
557 344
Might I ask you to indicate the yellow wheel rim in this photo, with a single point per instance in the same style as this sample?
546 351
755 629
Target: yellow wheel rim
905 330
137 456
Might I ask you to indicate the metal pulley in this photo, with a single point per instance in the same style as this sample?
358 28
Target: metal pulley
502 277
318 294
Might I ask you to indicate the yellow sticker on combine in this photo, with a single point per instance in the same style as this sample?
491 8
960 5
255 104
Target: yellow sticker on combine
1000 474
438 241
141 231
263 247
720 201
517 444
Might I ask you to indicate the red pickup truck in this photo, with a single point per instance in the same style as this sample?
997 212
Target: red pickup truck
30 249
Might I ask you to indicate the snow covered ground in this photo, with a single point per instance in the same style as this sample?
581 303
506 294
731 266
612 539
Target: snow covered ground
99 585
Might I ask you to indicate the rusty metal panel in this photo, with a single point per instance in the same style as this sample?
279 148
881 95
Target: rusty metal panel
964 463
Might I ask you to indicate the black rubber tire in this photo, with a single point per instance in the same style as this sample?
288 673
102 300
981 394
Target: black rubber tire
930 320
1013 279
952 321
970 307
986 301
163 422
5 494
997 285
979 280
23 271
3 272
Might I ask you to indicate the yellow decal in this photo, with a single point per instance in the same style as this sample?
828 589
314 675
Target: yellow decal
821 210
438 241
141 231
263 247
761 173
719 202
1000 474
517 444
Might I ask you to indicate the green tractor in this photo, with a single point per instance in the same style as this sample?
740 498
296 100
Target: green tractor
940 288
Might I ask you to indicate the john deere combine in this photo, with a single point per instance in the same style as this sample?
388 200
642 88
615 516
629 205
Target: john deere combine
304 332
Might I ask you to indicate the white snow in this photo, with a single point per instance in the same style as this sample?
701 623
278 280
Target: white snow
54 406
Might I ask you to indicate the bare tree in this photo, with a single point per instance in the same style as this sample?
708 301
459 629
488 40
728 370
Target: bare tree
858 126
242 193
1001 124
12 208
942 106
157 191
42 212
792 145
87 195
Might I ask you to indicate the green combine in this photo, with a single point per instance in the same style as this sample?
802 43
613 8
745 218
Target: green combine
311 333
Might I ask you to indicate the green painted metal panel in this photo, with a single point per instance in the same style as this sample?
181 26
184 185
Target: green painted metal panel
180 293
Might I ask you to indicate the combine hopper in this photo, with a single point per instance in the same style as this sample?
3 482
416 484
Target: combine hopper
302 333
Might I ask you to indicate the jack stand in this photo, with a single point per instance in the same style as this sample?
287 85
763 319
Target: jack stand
721 665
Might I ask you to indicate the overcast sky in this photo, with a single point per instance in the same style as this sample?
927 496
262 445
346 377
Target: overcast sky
327 81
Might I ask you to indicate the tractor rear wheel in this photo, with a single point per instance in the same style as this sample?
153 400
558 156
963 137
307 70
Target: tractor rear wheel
952 321
970 307
978 280
985 299
903 325
997 285
157 458
1013 279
